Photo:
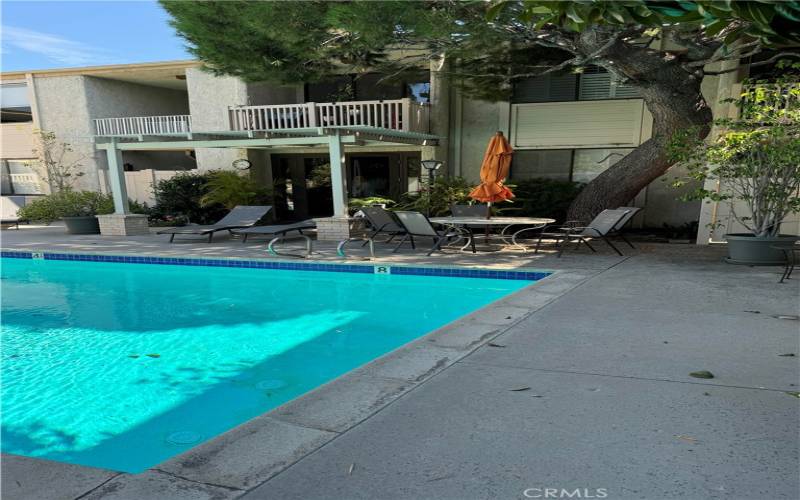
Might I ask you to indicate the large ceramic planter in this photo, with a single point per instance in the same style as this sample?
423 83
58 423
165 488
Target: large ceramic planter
82 225
746 249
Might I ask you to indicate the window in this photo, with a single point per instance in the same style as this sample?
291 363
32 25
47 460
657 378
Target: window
593 84
547 88
339 89
14 103
369 87
597 83
579 165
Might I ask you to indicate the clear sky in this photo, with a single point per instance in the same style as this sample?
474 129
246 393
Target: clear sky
62 34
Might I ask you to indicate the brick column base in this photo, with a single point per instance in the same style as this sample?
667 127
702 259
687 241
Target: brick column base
334 228
123 224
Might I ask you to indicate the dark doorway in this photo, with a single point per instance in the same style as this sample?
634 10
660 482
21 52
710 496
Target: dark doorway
303 182
369 176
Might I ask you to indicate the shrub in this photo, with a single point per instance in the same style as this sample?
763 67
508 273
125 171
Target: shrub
357 203
70 203
178 201
229 189
543 198
756 158
444 192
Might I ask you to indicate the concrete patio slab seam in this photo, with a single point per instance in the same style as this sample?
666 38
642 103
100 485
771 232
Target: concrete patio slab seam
87 493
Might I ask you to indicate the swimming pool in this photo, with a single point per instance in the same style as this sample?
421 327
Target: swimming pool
121 366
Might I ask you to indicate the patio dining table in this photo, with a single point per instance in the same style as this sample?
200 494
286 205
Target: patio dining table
506 223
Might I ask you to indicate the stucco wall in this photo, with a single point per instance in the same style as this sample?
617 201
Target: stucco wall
479 120
63 110
209 98
67 106
113 98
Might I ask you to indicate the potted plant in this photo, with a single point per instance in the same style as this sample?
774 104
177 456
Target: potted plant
756 161
78 210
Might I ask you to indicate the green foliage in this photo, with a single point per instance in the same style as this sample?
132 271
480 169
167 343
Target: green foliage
542 198
229 189
204 198
444 191
485 46
178 201
756 160
58 162
71 203
771 21
356 203
320 176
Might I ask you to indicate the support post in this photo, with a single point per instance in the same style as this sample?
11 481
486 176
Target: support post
121 222
336 228
338 179
116 178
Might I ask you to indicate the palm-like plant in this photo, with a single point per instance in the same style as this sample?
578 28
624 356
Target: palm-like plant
229 189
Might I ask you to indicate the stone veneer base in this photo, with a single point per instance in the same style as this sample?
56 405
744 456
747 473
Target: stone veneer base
123 225
333 228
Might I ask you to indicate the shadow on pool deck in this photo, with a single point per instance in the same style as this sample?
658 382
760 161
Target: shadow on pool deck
590 389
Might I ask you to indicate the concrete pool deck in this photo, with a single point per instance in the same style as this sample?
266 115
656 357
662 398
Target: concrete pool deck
578 382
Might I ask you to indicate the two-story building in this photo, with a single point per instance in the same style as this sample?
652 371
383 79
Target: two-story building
163 118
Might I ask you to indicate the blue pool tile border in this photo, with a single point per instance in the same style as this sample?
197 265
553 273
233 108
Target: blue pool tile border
452 272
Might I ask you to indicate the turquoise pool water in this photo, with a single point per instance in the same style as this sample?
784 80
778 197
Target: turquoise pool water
122 366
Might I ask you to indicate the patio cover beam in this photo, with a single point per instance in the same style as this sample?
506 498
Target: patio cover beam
222 143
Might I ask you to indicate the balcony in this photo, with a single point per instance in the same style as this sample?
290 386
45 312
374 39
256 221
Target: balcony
143 125
399 114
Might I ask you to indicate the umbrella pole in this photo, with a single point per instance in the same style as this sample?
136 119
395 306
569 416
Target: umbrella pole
488 216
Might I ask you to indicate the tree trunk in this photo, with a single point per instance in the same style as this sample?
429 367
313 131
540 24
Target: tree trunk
673 97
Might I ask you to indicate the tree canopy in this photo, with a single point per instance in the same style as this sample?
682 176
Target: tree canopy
488 45
662 48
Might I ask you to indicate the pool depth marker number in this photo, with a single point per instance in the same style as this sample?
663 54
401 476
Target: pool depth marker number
382 270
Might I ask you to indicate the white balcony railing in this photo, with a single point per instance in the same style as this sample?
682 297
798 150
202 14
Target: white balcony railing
142 125
398 114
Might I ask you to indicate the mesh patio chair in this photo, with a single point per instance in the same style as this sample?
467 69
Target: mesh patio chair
619 228
275 230
600 227
382 221
472 211
469 210
241 216
417 225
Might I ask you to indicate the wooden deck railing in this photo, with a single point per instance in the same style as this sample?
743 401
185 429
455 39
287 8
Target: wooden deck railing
141 125
399 114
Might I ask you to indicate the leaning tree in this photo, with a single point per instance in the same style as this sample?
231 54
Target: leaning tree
664 49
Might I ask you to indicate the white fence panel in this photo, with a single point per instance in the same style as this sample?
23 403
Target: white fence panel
140 183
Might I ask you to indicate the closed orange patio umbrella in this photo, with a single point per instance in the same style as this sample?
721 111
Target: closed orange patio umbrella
494 170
